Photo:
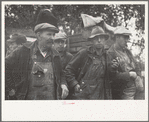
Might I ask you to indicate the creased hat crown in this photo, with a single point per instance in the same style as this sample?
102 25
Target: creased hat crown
60 35
98 31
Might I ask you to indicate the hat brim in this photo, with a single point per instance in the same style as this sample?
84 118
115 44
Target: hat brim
126 34
105 35
45 26
64 39
10 40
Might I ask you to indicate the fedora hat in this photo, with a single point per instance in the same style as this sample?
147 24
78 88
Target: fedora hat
98 31
122 31
46 20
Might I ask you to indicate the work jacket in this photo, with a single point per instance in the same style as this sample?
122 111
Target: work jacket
78 67
65 58
120 78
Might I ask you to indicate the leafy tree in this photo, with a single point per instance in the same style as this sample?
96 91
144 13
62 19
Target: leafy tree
24 16
69 15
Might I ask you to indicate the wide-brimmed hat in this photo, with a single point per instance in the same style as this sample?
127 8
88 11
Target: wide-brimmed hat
46 20
60 36
122 31
98 31
18 38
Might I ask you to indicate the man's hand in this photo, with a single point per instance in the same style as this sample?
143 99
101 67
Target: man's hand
115 63
77 88
12 92
133 75
65 91
12 95
139 83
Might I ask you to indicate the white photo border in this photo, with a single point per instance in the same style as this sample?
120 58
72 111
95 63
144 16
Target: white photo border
85 110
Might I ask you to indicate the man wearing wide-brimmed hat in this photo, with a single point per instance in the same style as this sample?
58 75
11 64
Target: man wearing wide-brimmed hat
86 73
15 41
38 70
126 80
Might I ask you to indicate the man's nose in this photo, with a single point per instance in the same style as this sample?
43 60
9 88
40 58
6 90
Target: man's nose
52 37
60 43
99 41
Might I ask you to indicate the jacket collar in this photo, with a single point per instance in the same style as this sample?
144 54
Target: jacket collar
55 52
62 54
29 45
33 46
92 50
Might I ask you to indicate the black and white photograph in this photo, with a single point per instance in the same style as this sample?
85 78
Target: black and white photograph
74 60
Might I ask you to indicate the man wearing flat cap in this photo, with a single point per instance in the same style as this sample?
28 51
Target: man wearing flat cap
59 43
87 72
126 77
37 66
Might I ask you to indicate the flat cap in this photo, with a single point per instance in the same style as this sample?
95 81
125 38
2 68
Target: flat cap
61 36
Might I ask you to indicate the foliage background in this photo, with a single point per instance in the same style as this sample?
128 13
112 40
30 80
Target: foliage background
128 15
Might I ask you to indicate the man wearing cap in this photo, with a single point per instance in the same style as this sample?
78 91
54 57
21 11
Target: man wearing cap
126 80
87 72
37 66
60 44
15 41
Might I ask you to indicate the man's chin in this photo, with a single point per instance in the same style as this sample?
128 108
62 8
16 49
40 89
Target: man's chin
49 45
60 49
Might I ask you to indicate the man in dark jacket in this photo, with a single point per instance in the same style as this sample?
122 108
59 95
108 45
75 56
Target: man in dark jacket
87 73
126 80
34 70
59 43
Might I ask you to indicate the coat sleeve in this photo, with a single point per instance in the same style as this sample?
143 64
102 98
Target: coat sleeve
69 57
11 62
137 67
63 78
120 76
73 68
114 74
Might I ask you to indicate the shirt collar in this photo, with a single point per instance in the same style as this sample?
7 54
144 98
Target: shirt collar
34 47
63 53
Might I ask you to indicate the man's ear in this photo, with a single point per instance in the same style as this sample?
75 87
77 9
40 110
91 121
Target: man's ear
38 34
